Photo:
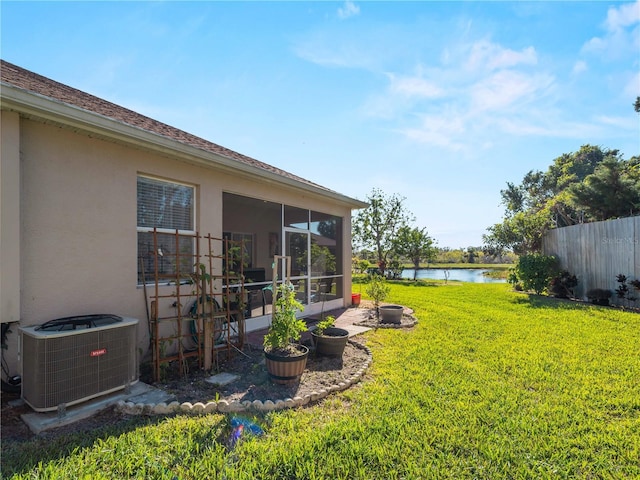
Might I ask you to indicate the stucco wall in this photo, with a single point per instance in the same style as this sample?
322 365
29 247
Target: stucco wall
78 227
10 215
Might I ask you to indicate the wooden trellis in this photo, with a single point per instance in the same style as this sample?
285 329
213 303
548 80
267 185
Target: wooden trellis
197 299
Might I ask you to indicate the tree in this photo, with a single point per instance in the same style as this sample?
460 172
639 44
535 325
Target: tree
416 245
545 200
377 226
471 254
521 233
612 190
636 105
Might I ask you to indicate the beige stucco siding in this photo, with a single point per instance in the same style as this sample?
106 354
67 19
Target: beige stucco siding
10 217
79 214
78 228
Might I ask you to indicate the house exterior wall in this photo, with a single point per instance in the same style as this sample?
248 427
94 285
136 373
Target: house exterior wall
10 215
78 205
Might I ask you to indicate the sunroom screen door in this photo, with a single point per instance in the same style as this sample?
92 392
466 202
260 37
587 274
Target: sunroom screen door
297 247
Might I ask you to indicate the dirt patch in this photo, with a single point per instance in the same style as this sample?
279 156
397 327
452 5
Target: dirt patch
253 382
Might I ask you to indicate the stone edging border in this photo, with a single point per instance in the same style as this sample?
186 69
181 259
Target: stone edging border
408 322
224 406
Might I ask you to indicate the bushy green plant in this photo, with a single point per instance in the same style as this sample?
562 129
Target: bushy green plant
535 271
324 324
363 265
378 290
285 328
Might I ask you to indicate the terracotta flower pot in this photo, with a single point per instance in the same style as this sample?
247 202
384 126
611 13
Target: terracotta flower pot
286 369
355 299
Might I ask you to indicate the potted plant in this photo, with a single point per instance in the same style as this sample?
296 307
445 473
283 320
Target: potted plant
378 291
328 339
285 359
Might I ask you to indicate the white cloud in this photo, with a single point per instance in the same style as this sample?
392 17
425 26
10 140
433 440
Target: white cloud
489 56
620 37
633 85
458 108
461 95
579 67
330 53
439 130
617 122
507 88
349 9
626 15
415 86
551 127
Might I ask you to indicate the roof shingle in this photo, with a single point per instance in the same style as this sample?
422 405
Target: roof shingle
32 82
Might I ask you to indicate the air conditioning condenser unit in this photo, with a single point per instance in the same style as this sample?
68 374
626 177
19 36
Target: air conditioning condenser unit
74 359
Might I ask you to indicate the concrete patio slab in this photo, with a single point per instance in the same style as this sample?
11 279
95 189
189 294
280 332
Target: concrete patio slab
139 392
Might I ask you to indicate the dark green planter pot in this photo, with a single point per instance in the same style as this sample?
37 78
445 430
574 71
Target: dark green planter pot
391 314
332 342
285 370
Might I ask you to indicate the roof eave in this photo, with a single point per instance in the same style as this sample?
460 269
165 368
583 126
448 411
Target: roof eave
40 106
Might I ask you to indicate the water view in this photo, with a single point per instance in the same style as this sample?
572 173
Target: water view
472 275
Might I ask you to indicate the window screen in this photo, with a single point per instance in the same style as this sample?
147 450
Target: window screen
164 205
168 207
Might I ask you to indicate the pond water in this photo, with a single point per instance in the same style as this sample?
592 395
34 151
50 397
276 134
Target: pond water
472 275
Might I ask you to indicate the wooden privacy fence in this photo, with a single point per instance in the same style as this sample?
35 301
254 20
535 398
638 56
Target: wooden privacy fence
597 252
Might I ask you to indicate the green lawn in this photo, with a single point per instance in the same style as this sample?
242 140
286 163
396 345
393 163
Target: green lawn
490 384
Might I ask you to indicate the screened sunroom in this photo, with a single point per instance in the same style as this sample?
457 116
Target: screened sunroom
311 239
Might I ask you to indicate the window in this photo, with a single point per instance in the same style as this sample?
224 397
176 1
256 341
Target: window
246 241
295 217
166 206
326 244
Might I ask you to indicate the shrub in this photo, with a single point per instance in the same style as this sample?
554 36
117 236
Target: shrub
623 292
535 271
599 296
562 285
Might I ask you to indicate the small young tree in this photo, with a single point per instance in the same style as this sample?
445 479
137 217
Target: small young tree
377 226
378 290
416 245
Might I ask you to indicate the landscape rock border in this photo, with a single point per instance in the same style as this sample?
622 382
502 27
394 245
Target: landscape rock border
224 406
407 321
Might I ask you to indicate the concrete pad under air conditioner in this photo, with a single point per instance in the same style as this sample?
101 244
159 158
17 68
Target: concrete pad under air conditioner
222 379
137 393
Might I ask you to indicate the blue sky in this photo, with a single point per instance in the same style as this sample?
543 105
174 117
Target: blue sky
439 102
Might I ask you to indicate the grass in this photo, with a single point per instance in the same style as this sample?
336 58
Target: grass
490 384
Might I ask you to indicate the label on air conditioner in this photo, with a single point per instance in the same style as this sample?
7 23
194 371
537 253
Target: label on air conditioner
99 352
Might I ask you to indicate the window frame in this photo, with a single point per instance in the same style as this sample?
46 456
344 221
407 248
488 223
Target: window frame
193 219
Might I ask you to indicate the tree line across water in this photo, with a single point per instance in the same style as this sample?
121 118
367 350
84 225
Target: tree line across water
591 184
